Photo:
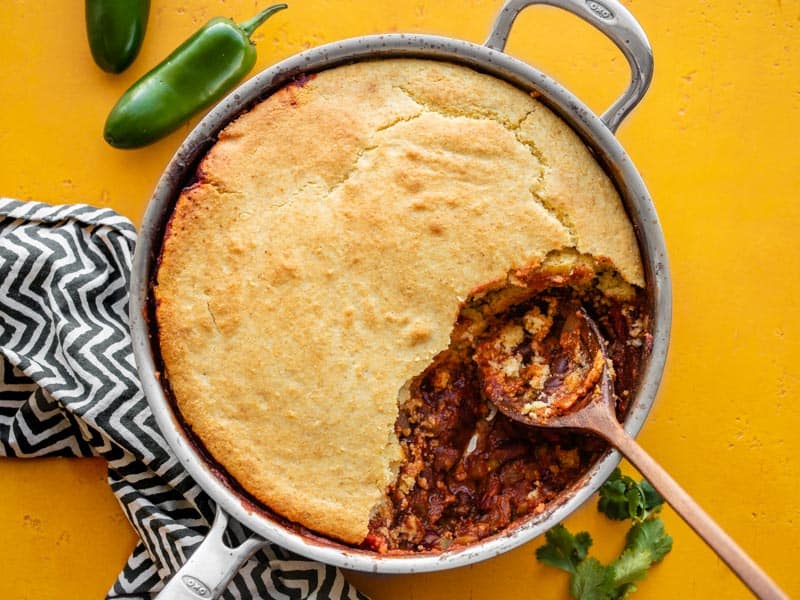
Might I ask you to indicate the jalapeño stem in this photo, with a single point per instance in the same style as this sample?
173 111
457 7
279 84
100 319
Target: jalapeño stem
251 25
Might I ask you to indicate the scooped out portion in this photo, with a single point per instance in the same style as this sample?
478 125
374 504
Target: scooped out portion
361 254
470 471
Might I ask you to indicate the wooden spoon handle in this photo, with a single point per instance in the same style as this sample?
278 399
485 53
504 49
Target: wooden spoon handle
739 562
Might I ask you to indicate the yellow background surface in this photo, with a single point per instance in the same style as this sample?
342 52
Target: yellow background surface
716 140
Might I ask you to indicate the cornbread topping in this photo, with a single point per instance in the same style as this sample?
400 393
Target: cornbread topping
357 248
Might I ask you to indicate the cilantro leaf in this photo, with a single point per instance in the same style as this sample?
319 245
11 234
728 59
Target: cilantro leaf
651 537
613 502
564 550
622 498
624 591
652 499
630 566
592 581
636 502
646 544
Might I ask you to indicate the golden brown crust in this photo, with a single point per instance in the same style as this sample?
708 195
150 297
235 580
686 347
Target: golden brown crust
320 263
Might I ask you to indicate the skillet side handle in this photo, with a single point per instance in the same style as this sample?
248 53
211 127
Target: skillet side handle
212 565
613 20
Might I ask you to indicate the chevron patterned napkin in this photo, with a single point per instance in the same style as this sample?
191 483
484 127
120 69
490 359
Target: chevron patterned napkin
68 387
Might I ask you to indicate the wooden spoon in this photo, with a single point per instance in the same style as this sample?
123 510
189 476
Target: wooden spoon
594 412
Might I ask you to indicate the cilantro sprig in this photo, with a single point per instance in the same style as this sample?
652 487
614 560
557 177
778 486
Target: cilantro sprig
646 543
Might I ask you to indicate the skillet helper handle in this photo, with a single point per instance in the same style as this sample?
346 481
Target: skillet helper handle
212 566
737 560
616 23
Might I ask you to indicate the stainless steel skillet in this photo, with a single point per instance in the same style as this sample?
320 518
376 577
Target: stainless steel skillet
212 565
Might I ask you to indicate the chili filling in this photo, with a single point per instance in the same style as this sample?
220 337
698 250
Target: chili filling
469 471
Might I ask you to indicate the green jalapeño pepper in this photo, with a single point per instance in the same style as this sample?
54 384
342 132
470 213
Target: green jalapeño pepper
115 29
194 76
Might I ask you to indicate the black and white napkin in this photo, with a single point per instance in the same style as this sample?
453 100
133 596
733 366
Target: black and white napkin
68 387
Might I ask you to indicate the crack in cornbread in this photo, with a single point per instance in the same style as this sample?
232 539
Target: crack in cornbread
318 264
